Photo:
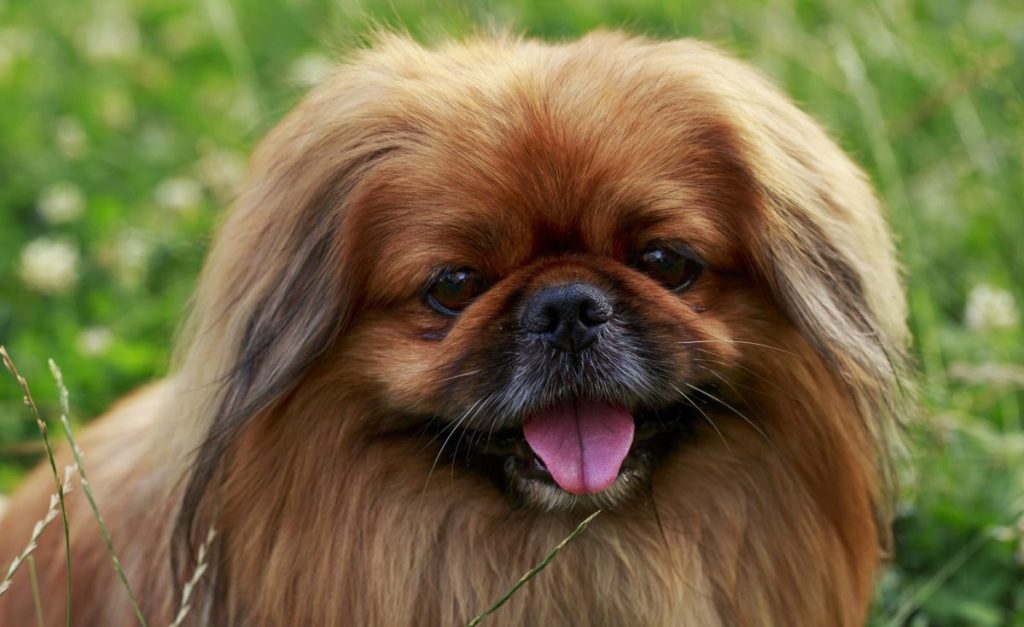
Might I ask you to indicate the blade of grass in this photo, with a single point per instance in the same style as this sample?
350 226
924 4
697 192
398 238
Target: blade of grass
933 584
873 121
224 19
938 579
975 72
530 574
31 404
80 466
35 591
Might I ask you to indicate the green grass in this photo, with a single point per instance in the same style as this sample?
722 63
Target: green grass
140 113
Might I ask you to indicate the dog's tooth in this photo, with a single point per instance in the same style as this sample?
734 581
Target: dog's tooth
538 464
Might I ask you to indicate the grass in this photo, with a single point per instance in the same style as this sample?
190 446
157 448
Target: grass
125 125
57 504
58 376
202 555
44 432
37 530
533 572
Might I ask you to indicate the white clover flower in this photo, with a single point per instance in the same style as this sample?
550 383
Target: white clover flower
14 43
990 308
70 138
49 266
183 34
179 194
7 58
245 109
155 142
94 341
310 69
110 35
152 73
61 202
221 171
131 259
117 109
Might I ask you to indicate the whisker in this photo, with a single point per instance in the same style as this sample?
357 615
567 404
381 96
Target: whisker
459 376
707 418
720 340
490 429
477 407
452 428
732 385
731 408
749 371
654 508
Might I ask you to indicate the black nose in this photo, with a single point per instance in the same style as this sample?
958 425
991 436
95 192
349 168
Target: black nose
567 317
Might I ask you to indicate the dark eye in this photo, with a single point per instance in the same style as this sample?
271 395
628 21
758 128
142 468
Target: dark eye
451 291
673 264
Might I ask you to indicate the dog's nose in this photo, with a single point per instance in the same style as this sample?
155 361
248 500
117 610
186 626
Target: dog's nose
567 317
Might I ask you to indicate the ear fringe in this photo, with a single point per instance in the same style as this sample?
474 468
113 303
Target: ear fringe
822 246
826 255
272 299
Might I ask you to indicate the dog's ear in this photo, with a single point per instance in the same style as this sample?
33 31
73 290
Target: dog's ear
824 251
817 241
276 290
820 242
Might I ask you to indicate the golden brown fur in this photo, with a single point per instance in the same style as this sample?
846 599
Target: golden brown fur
310 357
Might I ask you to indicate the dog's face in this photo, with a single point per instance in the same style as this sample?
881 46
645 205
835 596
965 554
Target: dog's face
562 264
556 298
557 262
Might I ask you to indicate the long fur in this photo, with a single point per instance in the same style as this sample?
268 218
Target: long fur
285 423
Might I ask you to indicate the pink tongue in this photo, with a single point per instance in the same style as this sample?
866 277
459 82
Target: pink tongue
582 445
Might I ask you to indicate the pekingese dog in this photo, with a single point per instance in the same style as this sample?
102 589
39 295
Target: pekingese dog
469 295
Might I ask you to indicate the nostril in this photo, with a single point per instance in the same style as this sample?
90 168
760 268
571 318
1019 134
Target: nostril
542 319
595 312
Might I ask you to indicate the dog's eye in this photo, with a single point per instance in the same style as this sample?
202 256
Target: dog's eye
451 291
673 264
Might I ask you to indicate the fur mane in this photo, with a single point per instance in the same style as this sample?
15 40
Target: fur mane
280 289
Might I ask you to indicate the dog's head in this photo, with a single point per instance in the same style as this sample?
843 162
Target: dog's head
565 265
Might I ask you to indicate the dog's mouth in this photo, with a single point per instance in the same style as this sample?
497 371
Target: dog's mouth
577 453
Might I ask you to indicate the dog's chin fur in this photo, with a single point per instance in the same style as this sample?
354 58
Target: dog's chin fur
293 423
548 496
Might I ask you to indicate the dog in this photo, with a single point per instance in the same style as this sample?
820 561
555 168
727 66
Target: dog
470 294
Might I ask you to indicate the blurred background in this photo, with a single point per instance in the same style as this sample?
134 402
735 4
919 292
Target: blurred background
125 124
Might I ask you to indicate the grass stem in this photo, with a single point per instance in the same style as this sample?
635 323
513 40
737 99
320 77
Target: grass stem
31 404
530 574
36 598
80 466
